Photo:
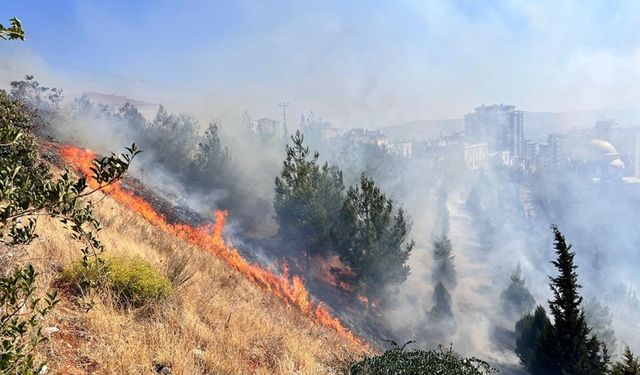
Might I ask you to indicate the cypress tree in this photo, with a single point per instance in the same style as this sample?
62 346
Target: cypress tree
442 304
566 348
444 270
628 365
440 324
570 328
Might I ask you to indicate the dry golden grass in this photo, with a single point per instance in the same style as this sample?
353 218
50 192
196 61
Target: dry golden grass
215 323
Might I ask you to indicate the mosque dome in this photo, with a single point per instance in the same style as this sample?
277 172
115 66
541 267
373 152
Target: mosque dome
602 148
596 150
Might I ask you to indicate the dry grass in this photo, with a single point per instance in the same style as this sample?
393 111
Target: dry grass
216 322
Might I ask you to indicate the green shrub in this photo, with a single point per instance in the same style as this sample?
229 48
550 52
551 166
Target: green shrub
417 362
21 314
132 280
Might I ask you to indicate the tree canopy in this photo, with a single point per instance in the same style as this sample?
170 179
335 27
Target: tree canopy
516 300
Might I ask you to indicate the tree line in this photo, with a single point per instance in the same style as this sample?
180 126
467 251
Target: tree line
198 162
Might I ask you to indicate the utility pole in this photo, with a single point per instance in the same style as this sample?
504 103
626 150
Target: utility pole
284 118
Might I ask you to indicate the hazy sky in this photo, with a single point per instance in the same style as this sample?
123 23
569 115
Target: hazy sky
355 63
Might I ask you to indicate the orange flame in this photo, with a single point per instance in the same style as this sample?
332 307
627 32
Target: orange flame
331 270
210 238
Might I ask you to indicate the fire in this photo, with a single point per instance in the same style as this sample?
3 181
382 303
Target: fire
332 270
210 238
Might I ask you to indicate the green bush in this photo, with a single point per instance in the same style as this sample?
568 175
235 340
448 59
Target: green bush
133 281
417 362
21 313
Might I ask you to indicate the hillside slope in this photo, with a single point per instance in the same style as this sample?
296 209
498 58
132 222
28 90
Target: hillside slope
216 323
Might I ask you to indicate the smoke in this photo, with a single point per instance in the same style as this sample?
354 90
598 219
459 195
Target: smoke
362 71
495 220
498 220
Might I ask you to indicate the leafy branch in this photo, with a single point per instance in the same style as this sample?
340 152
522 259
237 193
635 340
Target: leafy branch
13 32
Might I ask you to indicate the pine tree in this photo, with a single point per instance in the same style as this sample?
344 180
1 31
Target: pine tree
308 199
373 239
628 365
516 299
176 136
443 262
212 164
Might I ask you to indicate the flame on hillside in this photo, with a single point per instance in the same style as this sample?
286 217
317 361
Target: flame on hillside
333 271
210 238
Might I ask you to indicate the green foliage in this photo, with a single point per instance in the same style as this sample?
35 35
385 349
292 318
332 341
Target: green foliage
444 270
516 300
43 101
28 189
308 199
564 347
417 362
363 228
131 116
212 164
441 304
600 322
528 330
132 281
373 238
628 364
211 153
440 324
21 312
13 32
174 136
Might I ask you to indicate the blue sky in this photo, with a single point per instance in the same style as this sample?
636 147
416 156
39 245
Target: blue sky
357 63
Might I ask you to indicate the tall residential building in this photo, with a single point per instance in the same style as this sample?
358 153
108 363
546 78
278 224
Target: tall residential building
501 126
628 144
476 155
554 150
